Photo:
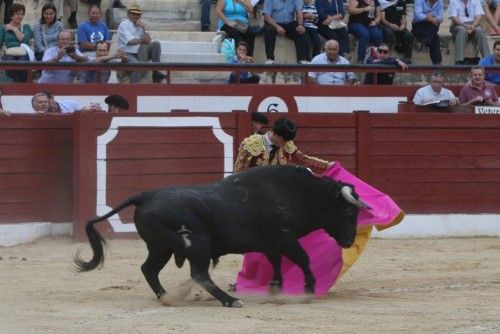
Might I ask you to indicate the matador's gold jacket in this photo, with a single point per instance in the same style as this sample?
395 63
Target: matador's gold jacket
253 151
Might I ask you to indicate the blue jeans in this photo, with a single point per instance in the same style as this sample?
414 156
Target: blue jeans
365 35
205 13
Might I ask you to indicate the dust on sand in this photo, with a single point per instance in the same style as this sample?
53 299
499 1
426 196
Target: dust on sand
413 286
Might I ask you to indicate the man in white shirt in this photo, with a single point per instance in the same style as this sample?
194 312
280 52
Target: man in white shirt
434 92
63 52
133 35
331 57
466 17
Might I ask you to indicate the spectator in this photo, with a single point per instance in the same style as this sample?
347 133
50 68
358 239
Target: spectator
60 10
381 56
46 30
279 19
310 15
434 92
69 106
116 103
394 30
427 17
258 121
102 56
478 91
2 110
492 60
7 3
132 36
63 52
466 19
205 14
92 31
116 3
41 103
331 26
241 57
16 37
233 20
364 24
331 57
491 10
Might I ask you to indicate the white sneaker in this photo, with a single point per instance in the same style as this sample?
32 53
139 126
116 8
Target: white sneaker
269 61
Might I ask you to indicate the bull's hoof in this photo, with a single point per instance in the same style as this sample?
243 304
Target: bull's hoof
237 303
166 300
275 288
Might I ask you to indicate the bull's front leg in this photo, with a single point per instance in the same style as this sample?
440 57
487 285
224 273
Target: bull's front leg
277 282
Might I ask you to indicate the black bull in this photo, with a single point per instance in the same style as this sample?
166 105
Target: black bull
264 209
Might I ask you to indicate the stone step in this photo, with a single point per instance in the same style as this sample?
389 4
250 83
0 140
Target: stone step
194 58
157 13
188 47
193 36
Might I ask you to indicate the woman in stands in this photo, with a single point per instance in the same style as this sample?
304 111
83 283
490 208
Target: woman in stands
15 39
233 20
364 24
46 30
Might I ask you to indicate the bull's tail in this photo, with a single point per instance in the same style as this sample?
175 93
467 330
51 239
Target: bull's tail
96 240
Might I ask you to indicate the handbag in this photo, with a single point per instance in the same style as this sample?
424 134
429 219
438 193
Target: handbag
17 51
337 24
240 25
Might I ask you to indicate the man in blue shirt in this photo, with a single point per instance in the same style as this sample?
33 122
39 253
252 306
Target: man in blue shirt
279 18
492 60
92 31
427 16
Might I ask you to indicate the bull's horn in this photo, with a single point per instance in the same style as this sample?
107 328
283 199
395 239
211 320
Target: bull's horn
347 194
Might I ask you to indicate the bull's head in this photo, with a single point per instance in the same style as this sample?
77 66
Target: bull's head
348 209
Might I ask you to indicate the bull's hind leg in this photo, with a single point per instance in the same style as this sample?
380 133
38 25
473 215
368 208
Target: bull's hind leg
294 251
277 282
151 269
199 273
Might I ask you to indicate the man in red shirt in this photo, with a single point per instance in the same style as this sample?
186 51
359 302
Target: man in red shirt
478 91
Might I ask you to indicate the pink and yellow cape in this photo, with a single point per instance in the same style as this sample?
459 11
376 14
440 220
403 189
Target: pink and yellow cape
328 260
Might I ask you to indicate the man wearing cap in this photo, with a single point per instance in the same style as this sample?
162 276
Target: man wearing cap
116 103
134 38
275 147
258 121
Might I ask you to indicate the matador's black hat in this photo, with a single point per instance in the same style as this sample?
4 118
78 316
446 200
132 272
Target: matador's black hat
259 118
285 128
118 101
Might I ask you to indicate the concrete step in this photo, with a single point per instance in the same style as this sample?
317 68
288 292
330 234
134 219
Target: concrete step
188 47
194 58
157 13
193 36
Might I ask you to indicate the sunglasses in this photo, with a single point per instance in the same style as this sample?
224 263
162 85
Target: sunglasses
384 51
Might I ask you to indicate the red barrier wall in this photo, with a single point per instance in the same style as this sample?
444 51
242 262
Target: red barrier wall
429 163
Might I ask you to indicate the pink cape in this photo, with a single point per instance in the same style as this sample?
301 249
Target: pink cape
324 253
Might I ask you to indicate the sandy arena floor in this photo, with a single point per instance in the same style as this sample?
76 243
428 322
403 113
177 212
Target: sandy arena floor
397 286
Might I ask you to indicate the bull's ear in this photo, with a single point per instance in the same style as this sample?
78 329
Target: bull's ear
179 259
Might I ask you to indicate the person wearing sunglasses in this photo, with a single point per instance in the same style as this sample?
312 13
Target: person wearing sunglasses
381 56
466 16
394 29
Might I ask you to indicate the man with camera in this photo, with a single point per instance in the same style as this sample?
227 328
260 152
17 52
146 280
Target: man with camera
64 52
